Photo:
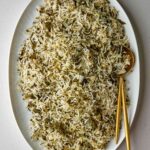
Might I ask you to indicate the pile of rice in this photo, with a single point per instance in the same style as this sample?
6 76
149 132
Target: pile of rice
67 68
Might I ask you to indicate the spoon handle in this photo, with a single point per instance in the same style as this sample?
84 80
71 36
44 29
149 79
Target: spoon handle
126 124
118 111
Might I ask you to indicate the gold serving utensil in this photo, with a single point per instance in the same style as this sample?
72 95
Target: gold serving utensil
121 96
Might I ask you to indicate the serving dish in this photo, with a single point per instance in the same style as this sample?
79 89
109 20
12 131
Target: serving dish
20 111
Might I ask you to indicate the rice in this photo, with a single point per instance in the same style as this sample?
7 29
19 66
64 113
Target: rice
67 73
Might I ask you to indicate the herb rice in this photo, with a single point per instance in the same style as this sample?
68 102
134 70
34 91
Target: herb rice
67 68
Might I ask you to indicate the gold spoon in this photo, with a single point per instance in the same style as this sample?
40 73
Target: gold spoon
121 95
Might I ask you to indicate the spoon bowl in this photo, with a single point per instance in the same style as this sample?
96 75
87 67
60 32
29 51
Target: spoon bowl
131 58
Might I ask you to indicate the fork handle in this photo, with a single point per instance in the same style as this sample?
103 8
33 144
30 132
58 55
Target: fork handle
126 124
118 111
